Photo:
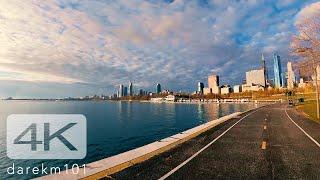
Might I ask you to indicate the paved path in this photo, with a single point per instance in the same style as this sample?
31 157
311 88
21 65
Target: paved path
265 144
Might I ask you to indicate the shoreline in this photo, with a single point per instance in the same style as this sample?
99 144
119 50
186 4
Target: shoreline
129 158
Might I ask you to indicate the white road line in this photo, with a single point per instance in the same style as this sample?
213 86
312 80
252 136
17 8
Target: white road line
302 130
205 147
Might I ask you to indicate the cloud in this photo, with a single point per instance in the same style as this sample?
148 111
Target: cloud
104 43
308 11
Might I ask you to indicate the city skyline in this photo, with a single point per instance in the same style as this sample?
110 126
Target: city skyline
76 48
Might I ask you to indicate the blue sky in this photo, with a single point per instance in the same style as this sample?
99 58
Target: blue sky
59 48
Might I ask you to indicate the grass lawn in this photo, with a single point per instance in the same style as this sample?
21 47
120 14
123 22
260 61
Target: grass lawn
309 107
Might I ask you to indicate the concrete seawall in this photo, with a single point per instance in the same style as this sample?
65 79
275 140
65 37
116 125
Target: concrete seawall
113 164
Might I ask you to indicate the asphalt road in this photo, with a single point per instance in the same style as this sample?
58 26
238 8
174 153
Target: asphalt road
264 144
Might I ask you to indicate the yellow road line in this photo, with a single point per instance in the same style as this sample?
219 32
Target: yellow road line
264 145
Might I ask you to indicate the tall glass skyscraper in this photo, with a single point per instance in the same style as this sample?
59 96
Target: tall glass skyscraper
277 71
121 90
158 88
130 89
200 87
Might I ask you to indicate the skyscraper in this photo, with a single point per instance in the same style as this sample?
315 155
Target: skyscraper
130 89
277 71
213 84
141 93
265 70
200 87
256 77
291 77
158 88
121 92
125 91
213 81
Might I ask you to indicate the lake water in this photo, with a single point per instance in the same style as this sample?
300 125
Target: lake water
113 127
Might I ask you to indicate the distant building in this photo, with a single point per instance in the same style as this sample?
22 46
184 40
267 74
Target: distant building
284 77
291 77
252 87
277 71
256 77
158 88
121 91
150 93
171 98
200 87
226 89
207 91
237 88
166 91
302 84
213 80
130 89
264 67
213 84
159 99
216 90
125 91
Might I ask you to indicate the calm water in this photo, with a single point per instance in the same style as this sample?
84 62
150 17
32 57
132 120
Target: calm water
113 127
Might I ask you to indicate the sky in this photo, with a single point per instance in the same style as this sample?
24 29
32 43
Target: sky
61 48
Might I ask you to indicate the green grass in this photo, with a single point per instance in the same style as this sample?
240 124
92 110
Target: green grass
310 108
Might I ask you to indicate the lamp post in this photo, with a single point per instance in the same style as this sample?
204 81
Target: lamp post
317 89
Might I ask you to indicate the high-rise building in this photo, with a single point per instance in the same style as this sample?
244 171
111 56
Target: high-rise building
121 91
200 87
207 91
225 89
277 71
264 67
284 79
130 89
291 77
141 92
125 91
158 88
213 81
213 84
237 88
256 77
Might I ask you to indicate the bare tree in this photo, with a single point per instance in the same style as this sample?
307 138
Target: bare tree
306 44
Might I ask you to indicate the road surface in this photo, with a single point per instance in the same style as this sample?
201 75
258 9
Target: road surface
273 142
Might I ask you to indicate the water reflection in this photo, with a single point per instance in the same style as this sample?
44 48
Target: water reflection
201 111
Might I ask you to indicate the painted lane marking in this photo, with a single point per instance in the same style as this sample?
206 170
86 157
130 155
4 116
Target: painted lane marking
302 130
264 145
204 148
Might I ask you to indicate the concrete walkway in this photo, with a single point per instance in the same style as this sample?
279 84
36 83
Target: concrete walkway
271 143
